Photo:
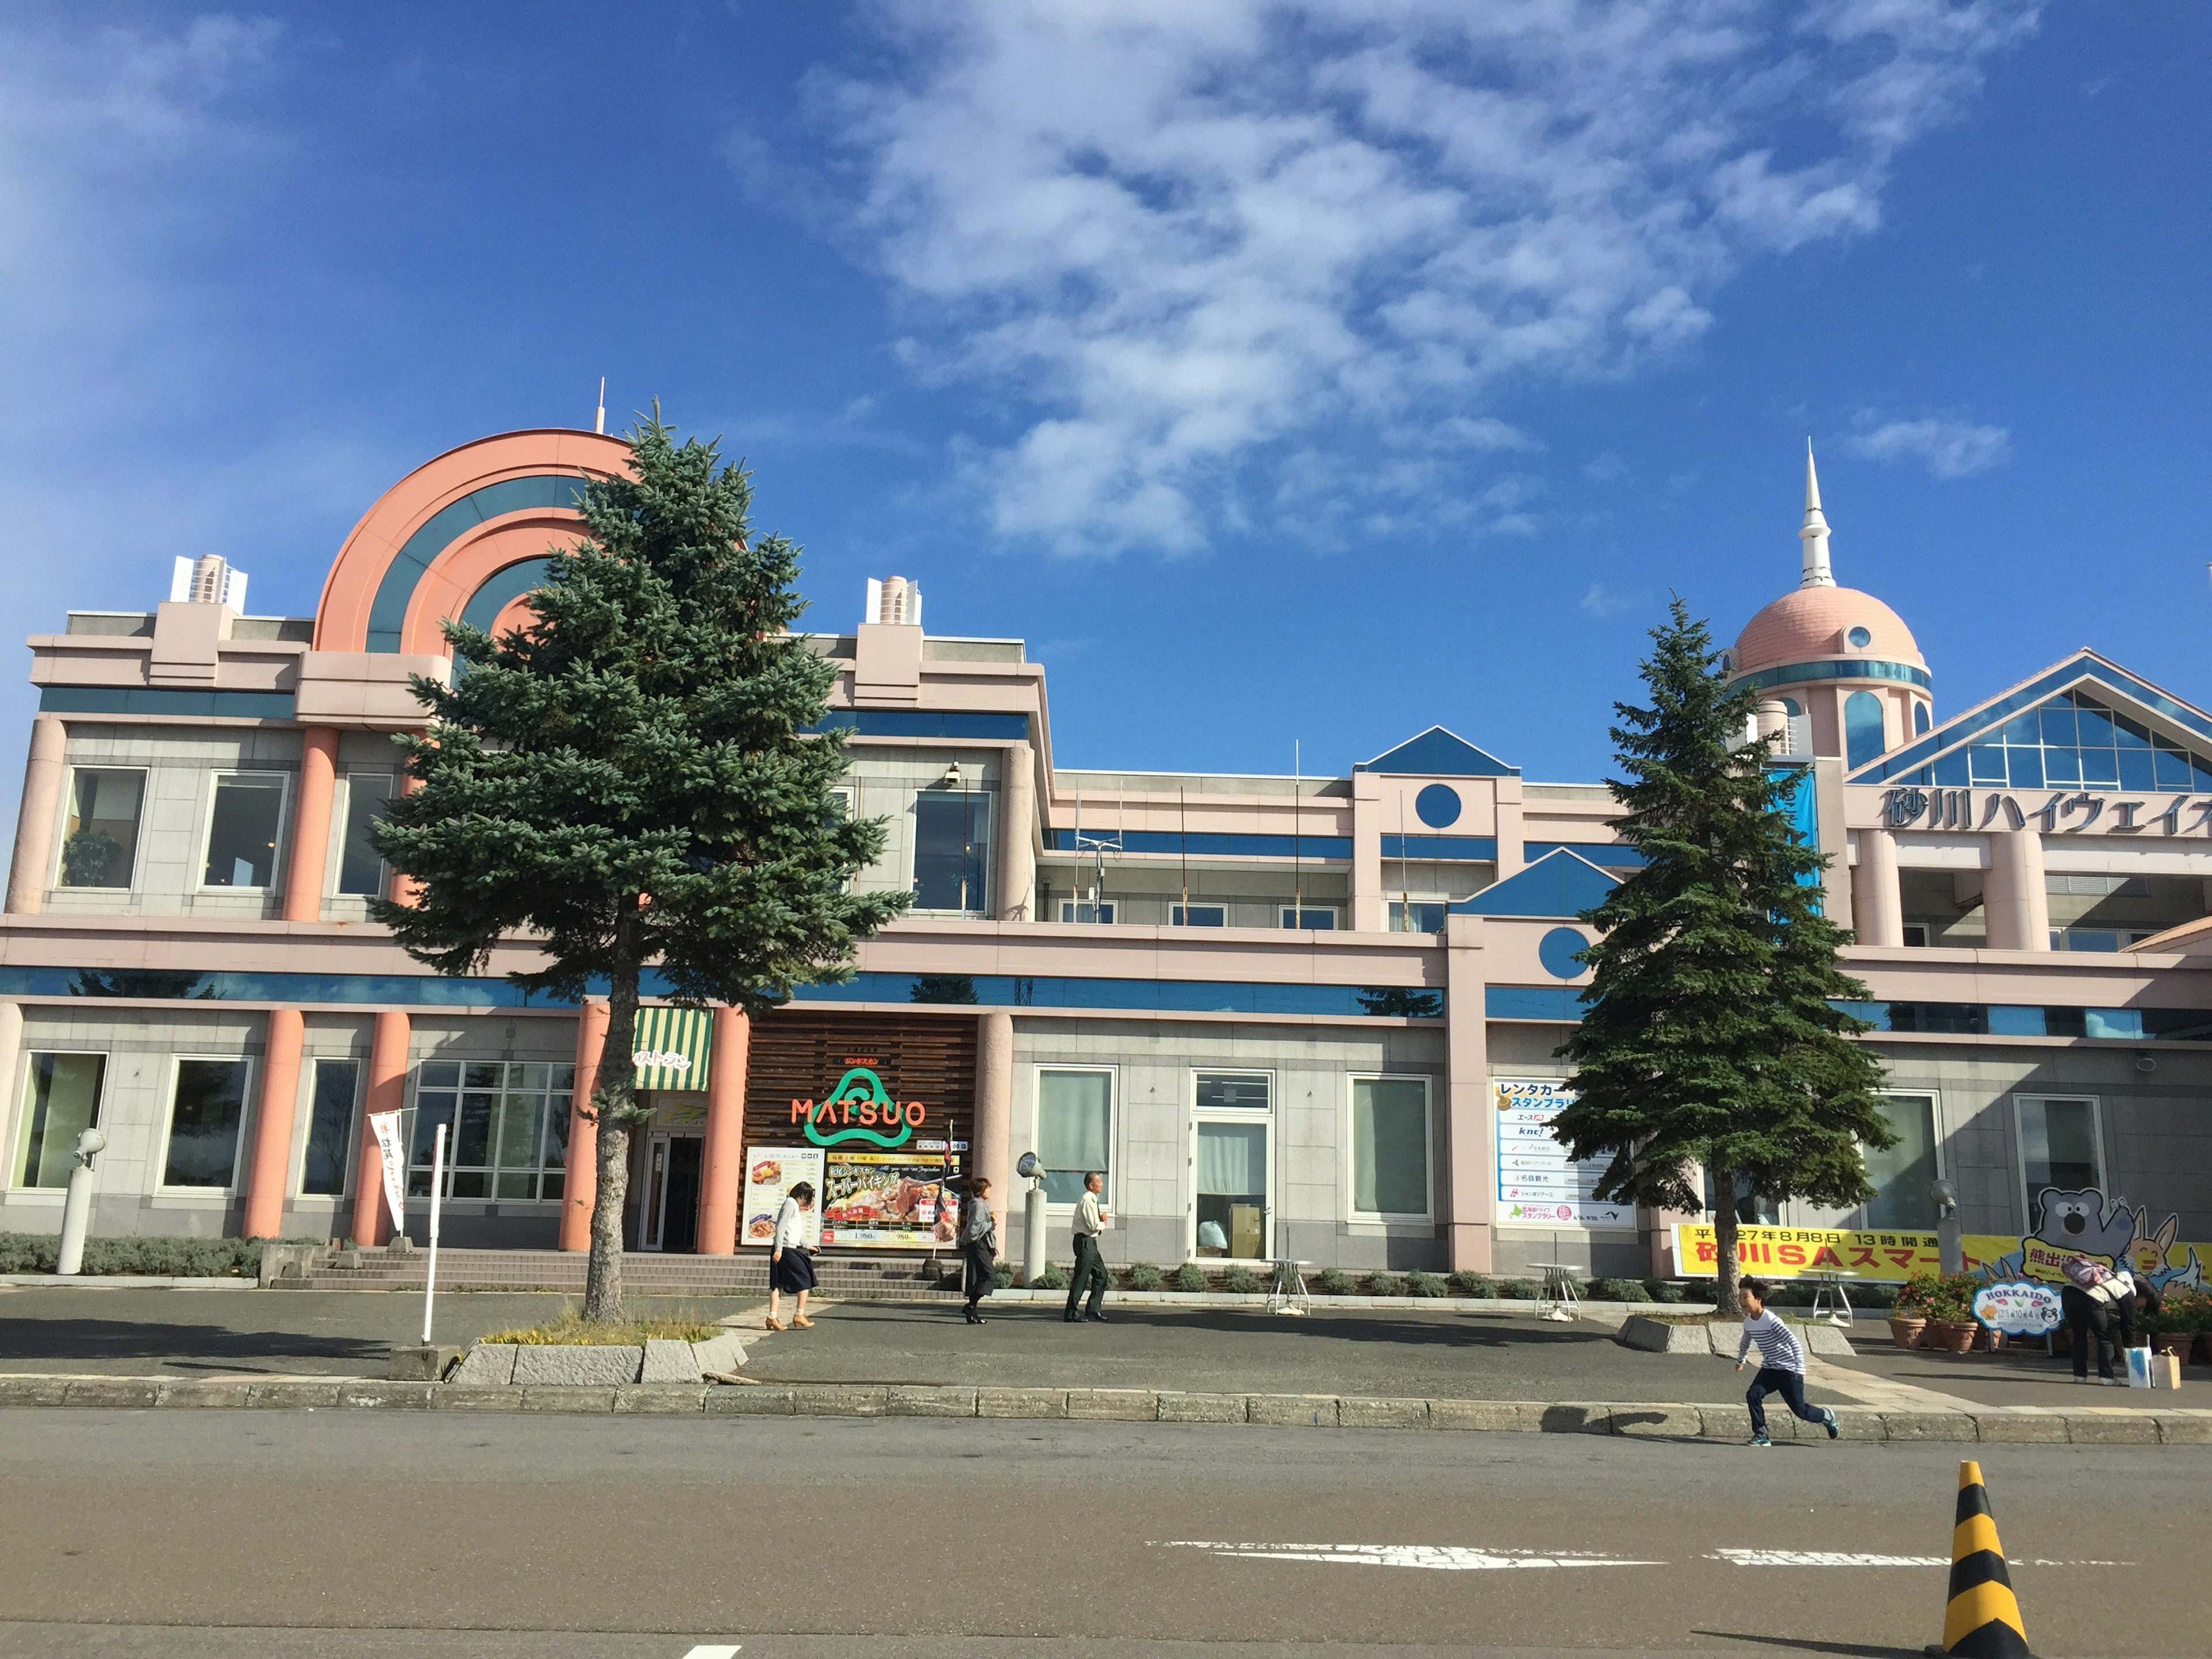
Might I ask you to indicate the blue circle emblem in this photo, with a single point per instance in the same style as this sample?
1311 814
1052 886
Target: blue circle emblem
1555 950
1437 806
1859 638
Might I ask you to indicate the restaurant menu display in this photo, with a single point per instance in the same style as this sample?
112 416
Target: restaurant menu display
770 1173
1537 1184
893 1199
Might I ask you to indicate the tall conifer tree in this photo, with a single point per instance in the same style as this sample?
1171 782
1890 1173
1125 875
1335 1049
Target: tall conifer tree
629 780
1711 1036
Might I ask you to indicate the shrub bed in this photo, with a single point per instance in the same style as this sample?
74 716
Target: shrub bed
164 1258
1143 1276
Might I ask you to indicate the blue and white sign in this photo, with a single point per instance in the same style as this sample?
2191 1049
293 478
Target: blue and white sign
2018 1307
1537 1184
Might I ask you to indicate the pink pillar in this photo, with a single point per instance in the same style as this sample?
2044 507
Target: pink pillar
992 1154
406 889
583 1182
311 825
269 1174
1470 1149
722 1181
373 1220
34 823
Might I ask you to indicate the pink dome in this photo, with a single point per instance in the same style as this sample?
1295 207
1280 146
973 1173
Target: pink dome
1814 624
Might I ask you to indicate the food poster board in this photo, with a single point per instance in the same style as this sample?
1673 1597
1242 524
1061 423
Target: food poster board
888 1100
770 1173
1537 1184
1880 1257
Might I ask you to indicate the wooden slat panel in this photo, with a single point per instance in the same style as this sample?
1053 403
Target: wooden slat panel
795 1055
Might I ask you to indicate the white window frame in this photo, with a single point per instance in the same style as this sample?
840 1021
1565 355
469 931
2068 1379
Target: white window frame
61 831
249 1109
276 857
1271 1224
2020 1144
1427 1217
1176 920
979 907
1068 907
303 1116
334 854
1230 1114
22 1115
1113 1073
1856 1216
1283 912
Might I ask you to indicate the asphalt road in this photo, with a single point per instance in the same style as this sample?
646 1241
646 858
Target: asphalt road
283 1536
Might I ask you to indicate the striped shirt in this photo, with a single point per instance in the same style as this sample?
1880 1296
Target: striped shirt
1778 1347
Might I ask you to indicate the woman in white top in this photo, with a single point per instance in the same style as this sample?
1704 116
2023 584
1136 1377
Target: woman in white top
790 1263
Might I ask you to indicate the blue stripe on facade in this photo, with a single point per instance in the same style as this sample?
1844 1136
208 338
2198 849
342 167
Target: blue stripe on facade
2035 692
148 700
1442 848
1611 855
927 723
1223 846
1549 1002
389 609
1858 668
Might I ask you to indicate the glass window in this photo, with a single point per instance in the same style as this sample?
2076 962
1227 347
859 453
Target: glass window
2026 768
1074 1129
249 809
951 851
1197 915
101 842
1986 760
360 868
1901 1175
1862 736
2173 770
204 1123
507 1124
1073 910
2058 1148
64 1092
1919 719
329 1128
1390 1145
1310 919
2095 725
1240 1091
1232 1190
2101 766
2061 766
1417 917
2058 725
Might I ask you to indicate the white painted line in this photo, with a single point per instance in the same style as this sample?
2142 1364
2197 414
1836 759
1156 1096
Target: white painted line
717 1651
1437 1558
1852 1558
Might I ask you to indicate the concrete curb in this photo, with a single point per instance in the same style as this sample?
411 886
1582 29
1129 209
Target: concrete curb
127 1282
1495 1305
1639 1419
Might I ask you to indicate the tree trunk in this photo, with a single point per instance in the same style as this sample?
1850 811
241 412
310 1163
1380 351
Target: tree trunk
1725 1243
613 1101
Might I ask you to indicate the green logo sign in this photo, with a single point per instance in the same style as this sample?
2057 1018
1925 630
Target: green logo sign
860 1092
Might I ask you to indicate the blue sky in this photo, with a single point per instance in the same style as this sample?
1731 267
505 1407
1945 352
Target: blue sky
1279 372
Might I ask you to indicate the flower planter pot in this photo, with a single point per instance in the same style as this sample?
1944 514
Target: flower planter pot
1906 1331
2204 1347
1948 1336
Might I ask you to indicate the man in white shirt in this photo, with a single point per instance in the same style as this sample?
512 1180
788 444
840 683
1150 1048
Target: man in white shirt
1089 1266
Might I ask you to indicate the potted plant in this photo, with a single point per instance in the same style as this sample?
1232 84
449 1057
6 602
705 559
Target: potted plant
1952 1327
1908 1316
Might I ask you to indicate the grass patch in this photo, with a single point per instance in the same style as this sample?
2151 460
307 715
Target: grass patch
570 1329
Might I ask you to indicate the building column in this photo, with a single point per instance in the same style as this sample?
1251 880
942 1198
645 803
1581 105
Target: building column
373 1220
270 1170
1017 829
582 1185
1512 856
406 889
310 824
1877 901
34 823
2016 901
722 1176
11 1052
1370 900
1469 1189
991 1154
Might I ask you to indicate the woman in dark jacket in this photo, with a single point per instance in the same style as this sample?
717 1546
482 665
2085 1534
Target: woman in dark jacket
979 1246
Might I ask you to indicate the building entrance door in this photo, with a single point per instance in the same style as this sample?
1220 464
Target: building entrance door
671 1192
1231 1212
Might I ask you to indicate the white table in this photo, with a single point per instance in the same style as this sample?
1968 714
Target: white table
1557 1300
1831 1301
1288 1294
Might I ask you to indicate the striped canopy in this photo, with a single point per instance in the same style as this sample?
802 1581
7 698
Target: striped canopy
671 1048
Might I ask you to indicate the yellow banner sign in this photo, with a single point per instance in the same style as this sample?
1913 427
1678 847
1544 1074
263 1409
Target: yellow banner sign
1808 1253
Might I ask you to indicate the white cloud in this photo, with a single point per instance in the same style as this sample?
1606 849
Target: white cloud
1950 449
1185 243
1602 601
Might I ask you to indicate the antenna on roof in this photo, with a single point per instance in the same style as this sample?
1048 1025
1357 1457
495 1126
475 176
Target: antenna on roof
599 418
1298 830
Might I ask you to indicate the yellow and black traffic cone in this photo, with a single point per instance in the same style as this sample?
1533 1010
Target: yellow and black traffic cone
1983 1619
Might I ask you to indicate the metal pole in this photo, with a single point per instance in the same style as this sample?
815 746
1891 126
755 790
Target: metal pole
1033 1232
437 1196
76 1207
1298 832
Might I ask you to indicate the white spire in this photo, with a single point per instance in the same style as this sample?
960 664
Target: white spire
1813 532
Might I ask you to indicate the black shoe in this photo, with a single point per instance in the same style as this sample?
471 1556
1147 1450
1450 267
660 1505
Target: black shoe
1071 1318
1095 1318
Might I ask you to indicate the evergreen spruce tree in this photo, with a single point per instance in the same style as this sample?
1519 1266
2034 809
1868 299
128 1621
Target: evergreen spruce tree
1712 1035
627 780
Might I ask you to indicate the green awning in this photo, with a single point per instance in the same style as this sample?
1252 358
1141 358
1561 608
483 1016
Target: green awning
671 1048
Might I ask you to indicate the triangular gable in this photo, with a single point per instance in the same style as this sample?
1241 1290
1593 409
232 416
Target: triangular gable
1561 884
1437 753
2129 717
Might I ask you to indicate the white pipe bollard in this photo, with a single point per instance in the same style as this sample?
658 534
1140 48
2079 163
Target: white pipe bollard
76 1207
1033 1233
437 1193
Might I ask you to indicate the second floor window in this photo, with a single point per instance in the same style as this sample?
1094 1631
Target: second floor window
100 845
360 869
242 829
951 851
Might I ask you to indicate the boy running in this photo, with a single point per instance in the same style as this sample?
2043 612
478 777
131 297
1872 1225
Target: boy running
1781 1367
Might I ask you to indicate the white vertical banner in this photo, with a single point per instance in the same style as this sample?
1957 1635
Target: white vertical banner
385 1126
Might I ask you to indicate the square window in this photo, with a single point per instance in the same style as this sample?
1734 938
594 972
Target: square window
2058 726
2096 728
99 845
2173 770
205 1115
2061 766
951 851
330 1127
1074 1129
1071 910
1197 915
2026 768
1240 1091
1310 919
2023 731
1987 763
2136 769
1902 1175
1390 1145
2100 767
242 830
63 1102
1417 916
360 868
2058 1148
1951 770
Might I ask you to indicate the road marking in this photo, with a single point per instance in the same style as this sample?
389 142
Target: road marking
1851 1559
1437 1558
718 1650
